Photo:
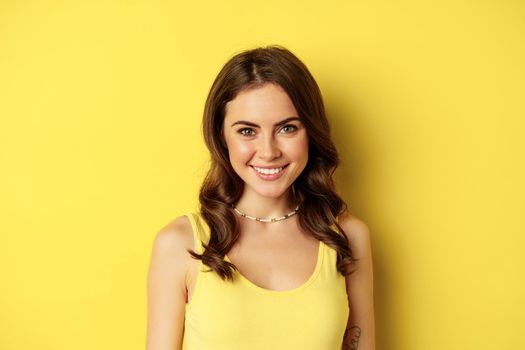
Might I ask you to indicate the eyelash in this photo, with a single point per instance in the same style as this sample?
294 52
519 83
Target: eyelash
285 126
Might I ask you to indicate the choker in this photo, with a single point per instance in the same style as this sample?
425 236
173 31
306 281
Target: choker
286 216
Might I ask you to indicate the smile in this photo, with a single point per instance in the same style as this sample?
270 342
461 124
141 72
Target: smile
269 173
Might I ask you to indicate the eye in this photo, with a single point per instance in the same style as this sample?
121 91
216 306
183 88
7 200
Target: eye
247 133
288 126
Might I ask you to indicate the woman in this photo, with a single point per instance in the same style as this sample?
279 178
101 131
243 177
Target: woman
273 259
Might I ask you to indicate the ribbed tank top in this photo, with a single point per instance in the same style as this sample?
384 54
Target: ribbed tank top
239 315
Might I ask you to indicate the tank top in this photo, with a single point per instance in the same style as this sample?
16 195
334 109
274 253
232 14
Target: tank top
240 315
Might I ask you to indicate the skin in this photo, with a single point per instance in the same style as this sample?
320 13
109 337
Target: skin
172 272
360 328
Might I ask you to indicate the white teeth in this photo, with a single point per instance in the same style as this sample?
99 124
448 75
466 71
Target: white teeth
268 171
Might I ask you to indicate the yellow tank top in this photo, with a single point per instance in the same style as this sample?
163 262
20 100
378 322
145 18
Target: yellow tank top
222 315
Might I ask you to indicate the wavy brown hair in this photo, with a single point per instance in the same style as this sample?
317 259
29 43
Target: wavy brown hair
313 190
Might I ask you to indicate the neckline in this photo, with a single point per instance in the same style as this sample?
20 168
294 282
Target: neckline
320 255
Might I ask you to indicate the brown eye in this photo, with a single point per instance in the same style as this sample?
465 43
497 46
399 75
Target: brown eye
293 128
242 131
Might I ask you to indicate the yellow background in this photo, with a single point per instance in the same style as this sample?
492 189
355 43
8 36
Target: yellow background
100 146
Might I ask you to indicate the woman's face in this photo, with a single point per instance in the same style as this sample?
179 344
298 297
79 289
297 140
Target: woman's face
262 129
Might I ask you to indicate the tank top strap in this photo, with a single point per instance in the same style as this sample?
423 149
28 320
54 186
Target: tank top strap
330 256
199 230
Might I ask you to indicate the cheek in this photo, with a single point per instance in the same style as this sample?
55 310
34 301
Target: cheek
298 149
240 151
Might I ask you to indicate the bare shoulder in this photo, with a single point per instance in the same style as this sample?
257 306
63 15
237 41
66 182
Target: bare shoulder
170 248
176 235
357 232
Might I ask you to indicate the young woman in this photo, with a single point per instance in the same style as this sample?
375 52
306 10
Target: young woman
272 260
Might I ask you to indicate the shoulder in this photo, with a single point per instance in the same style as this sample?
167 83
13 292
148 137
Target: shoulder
357 232
171 244
175 235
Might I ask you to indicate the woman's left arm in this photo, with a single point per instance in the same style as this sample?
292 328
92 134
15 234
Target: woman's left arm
360 329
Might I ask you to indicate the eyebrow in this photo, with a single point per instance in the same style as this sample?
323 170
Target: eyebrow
284 121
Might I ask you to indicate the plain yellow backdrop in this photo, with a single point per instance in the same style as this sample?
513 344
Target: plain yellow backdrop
100 146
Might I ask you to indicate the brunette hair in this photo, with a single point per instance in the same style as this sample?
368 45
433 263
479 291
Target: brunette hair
314 189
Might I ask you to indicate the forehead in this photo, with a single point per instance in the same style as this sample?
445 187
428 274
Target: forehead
267 102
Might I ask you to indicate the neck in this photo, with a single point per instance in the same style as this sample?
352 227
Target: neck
265 207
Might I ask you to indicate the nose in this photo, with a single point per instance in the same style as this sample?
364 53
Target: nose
269 149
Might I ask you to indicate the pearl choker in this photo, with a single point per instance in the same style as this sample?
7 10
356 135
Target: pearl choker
286 216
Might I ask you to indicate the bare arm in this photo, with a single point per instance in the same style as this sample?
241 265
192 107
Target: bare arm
360 330
166 287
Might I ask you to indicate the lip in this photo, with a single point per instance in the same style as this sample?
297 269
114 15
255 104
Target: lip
270 177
